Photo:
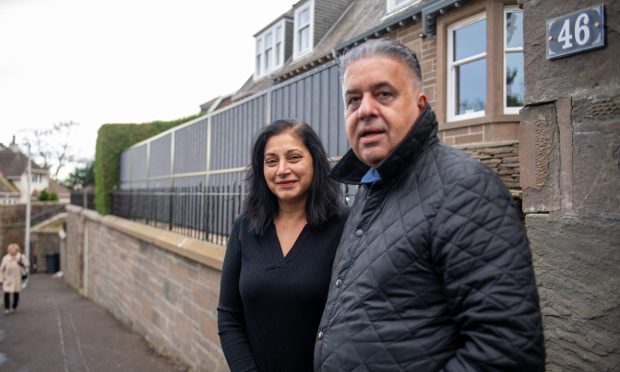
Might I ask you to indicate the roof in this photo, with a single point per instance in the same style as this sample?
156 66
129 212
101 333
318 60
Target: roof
58 188
362 20
14 164
7 186
215 103
288 15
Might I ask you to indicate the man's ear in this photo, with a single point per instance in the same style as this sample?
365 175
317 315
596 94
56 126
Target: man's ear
421 100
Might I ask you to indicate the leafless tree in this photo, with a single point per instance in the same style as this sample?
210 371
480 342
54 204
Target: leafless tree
50 146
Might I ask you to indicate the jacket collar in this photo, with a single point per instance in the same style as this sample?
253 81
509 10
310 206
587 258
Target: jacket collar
422 134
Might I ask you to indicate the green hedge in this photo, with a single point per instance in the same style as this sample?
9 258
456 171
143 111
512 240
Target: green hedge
112 140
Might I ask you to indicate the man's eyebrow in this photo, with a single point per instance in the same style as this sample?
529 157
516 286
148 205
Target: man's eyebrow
382 84
375 86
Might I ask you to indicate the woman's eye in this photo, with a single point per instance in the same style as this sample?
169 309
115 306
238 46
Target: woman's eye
271 162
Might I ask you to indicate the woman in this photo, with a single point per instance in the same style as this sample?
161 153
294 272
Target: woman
13 263
280 252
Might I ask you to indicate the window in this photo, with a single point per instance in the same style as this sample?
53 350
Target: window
394 5
270 50
279 48
513 60
303 29
259 57
467 68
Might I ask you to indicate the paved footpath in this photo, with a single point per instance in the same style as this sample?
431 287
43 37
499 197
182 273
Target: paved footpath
55 329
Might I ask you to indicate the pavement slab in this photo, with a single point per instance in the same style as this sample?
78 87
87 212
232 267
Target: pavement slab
56 329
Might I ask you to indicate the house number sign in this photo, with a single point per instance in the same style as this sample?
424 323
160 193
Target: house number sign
576 32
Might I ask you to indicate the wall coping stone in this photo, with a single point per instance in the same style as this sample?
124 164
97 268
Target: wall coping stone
485 144
206 253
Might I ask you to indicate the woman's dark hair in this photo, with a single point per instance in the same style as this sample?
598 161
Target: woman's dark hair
324 196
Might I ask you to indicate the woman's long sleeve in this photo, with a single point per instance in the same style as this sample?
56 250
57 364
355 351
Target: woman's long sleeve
231 321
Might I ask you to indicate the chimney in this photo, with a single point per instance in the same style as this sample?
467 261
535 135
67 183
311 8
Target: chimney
13 146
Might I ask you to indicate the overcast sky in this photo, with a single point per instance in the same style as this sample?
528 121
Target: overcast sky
120 61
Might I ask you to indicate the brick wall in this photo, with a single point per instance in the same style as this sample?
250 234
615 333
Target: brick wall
162 285
493 143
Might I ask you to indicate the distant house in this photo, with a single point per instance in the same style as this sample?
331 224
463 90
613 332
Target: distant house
9 194
14 170
63 193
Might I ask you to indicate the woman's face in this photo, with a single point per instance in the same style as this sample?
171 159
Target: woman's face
12 250
288 167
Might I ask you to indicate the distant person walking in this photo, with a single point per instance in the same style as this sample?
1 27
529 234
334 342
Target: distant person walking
13 265
280 253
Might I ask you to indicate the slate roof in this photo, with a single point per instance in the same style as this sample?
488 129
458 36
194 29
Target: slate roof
7 186
362 20
13 164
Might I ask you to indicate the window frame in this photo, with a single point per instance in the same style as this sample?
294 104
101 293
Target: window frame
296 28
261 69
505 51
451 71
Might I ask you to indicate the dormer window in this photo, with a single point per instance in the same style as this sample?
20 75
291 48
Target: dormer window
304 30
394 5
270 50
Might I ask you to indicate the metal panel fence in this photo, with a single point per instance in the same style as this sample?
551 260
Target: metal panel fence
190 179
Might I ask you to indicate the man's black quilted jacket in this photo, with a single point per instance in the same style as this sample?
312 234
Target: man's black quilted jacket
433 271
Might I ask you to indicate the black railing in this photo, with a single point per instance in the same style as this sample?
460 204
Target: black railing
200 212
205 213
84 199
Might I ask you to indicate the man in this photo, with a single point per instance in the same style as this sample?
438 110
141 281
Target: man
433 271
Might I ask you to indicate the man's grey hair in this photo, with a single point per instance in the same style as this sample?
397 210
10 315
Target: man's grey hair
382 48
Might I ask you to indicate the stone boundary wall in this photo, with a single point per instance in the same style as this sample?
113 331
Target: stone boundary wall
162 285
502 157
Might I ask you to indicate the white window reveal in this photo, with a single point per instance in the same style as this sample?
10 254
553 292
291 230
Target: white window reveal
467 68
514 79
279 48
259 57
304 29
270 50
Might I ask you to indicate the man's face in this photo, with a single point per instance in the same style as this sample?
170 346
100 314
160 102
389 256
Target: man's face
382 101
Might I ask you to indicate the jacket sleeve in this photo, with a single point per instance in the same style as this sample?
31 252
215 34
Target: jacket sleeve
24 261
485 263
230 319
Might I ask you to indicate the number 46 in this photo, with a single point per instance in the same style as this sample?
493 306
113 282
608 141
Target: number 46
582 32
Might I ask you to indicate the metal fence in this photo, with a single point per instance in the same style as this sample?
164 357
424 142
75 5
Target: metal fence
201 212
84 199
198 152
190 179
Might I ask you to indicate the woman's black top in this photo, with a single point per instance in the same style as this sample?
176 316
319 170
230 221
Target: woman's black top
271 305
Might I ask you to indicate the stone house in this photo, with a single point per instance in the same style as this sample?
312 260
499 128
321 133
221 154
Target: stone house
471 55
